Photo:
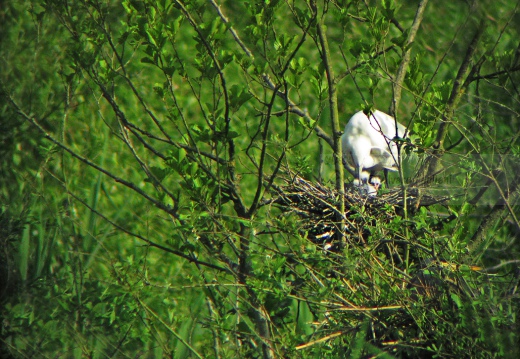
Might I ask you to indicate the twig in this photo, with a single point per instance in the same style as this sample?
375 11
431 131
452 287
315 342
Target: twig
231 29
321 340
502 264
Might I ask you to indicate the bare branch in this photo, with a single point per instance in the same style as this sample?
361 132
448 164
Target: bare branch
231 29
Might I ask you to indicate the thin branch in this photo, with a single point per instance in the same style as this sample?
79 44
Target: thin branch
334 119
430 166
293 108
33 121
401 72
258 193
231 29
320 340
189 258
360 64
516 262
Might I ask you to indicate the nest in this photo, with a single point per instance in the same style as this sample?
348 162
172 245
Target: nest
392 251
318 207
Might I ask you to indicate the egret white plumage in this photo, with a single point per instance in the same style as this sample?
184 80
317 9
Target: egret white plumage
368 148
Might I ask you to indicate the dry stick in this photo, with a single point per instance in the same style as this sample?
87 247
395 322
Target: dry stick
397 88
320 340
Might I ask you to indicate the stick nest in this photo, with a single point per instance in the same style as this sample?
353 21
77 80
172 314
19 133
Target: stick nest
390 267
317 206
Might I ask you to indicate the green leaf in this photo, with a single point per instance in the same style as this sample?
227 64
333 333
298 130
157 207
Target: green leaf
456 299
147 60
238 96
159 173
158 89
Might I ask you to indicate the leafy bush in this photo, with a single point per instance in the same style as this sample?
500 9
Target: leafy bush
152 146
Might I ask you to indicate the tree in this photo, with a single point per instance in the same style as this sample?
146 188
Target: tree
176 144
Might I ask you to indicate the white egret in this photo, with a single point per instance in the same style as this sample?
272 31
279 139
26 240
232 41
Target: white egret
368 148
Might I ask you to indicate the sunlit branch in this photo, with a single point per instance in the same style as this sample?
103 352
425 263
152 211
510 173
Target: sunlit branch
231 29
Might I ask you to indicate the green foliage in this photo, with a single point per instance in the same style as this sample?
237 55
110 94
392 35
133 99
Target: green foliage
144 145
